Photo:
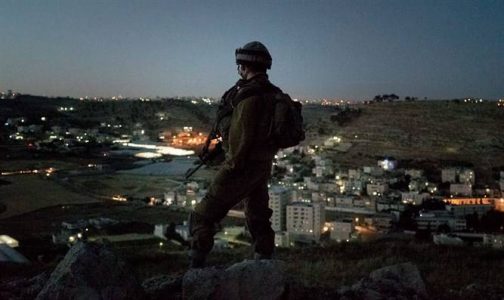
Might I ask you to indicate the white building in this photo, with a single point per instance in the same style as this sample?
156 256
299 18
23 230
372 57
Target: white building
170 198
305 220
311 183
344 201
449 175
354 174
457 175
432 220
278 200
385 205
282 239
461 207
387 164
376 189
380 222
461 189
494 240
351 186
340 231
413 197
466 176
414 173
374 171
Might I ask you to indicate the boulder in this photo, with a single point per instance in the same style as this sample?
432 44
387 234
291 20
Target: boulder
24 288
401 281
255 279
481 291
201 283
91 271
163 286
250 279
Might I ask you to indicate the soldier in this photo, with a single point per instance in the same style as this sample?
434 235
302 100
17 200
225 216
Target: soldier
243 122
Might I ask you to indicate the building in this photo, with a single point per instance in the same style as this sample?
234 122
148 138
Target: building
461 207
381 222
494 240
354 174
170 198
305 221
373 171
282 239
387 164
340 231
323 167
457 175
413 197
414 173
449 175
466 176
278 200
461 189
436 220
376 189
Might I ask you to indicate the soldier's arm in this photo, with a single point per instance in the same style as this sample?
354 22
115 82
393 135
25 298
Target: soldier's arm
242 131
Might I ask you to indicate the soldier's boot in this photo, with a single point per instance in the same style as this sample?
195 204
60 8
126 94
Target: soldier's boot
202 238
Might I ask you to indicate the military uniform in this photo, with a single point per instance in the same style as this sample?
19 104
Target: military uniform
246 170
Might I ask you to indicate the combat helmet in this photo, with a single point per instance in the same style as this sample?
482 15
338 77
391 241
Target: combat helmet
255 53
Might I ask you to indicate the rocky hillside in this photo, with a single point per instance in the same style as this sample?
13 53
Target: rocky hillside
383 269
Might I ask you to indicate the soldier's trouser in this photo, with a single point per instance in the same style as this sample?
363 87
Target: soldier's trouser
227 189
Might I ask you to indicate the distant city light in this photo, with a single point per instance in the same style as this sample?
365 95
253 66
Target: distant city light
161 149
148 155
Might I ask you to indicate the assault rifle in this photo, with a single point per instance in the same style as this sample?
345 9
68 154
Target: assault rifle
207 154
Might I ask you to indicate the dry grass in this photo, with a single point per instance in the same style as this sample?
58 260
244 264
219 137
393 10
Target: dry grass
30 192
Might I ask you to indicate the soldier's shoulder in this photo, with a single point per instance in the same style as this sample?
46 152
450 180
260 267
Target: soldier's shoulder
256 88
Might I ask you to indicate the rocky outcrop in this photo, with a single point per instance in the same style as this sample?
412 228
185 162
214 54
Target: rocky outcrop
250 279
91 271
23 288
402 281
476 291
162 287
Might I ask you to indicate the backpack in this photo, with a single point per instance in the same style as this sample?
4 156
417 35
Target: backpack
286 128
286 123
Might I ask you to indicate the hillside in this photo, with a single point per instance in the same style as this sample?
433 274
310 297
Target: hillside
425 130
153 116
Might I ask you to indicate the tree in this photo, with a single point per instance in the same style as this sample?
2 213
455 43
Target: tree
378 98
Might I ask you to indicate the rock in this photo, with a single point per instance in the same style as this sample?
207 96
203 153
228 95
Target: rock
23 288
201 283
250 279
482 291
91 271
160 287
255 279
35 285
401 281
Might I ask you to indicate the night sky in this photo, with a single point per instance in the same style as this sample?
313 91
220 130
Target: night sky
321 49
